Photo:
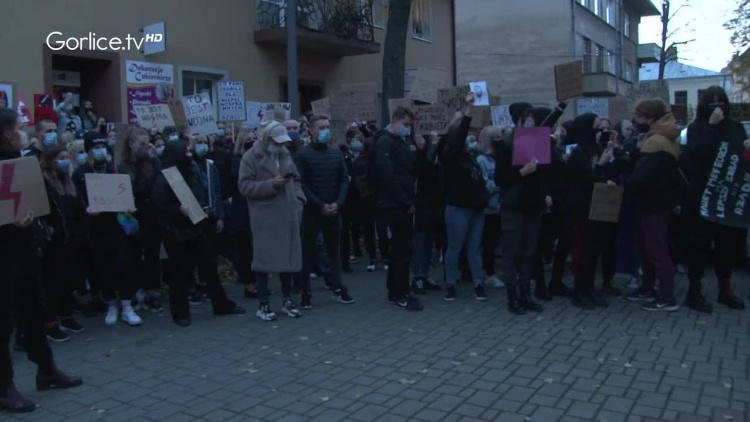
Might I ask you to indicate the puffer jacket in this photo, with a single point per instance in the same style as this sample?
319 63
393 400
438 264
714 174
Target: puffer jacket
324 177
393 171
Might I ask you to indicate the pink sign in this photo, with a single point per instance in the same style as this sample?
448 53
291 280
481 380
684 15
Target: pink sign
532 143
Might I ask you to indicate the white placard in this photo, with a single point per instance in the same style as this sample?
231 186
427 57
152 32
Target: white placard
231 101
254 114
501 116
481 93
199 114
598 106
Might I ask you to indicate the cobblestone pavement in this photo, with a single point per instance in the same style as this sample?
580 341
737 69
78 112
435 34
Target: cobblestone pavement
460 361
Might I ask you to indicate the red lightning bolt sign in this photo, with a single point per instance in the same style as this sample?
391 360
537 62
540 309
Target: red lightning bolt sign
6 183
122 188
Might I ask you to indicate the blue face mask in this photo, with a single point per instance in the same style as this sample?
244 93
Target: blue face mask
356 145
528 124
100 154
111 142
50 139
159 151
63 166
174 137
305 140
324 136
293 135
201 150
473 145
81 158
404 131
221 132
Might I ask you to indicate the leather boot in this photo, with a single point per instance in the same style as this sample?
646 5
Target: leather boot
560 289
540 291
55 378
727 296
514 306
524 297
12 401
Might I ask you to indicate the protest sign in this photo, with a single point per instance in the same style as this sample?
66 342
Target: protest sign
647 90
453 98
110 192
7 95
322 107
618 110
24 115
569 80
361 87
481 93
147 83
532 143
725 199
426 84
501 116
395 103
150 116
276 111
231 101
430 118
410 75
178 113
21 190
598 106
354 106
254 114
605 203
199 114
184 194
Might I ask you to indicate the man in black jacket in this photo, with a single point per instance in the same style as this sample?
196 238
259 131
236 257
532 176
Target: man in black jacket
394 170
325 182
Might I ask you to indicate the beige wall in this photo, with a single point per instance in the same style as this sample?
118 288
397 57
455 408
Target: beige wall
692 85
201 33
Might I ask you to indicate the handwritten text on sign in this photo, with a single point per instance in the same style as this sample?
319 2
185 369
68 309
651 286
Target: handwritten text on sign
606 202
431 118
110 192
231 101
199 114
156 115
725 199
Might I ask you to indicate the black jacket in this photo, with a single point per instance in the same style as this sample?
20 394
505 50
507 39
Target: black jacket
393 168
324 177
427 172
361 176
143 184
67 216
518 194
463 182
223 161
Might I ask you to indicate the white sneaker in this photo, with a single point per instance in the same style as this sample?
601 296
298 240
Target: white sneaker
265 313
352 259
112 315
290 308
140 298
371 268
313 276
495 282
386 267
130 317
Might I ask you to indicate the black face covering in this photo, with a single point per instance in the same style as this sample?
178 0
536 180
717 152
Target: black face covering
642 127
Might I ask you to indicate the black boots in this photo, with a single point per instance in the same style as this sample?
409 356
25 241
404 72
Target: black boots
524 297
55 378
514 304
540 291
12 401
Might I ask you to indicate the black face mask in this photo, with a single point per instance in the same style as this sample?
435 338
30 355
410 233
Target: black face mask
642 127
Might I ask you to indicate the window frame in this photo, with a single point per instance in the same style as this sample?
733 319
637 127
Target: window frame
429 20
202 73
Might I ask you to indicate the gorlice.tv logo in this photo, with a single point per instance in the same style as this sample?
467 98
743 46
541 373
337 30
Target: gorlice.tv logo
56 41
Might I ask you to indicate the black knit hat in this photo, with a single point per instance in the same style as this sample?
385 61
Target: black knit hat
91 139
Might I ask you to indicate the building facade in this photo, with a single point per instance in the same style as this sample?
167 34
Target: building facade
515 45
208 41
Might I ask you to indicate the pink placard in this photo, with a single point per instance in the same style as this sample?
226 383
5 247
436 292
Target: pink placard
532 143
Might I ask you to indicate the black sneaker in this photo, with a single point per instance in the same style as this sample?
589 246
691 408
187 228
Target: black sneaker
583 302
609 289
54 333
698 303
71 325
598 300
431 285
305 301
195 298
640 296
341 295
661 305
410 303
290 308
417 286
392 299
450 293
479 292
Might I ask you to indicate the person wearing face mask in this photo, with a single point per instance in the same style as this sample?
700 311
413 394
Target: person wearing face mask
305 138
712 126
67 120
472 145
46 137
21 296
88 117
270 184
221 157
222 139
186 243
489 138
77 153
239 225
113 257
365 207
159 146
140 163
325 181
63 265
353 137
429 210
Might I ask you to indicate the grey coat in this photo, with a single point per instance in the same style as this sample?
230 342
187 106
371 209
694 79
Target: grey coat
275 214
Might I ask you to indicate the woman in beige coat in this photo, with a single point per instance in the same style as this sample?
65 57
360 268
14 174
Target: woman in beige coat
270 182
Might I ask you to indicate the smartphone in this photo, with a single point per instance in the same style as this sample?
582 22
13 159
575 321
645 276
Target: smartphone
289 176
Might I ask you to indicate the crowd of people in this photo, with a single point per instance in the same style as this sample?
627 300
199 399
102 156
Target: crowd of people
288 198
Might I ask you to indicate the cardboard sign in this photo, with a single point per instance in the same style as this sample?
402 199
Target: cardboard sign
254 114
410 75
276 111
21 190
178 113
110 192
395 103
725 199
606 203
531 143
453 98
618 110
426 84
429 118
647 90
598 106
501 116
199 114
231 101
184 194
569 80
156 115
354 106
362 87
322 107
481 93
24 115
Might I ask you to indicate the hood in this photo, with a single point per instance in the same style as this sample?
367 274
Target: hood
516 110
175 153
583 132
663 136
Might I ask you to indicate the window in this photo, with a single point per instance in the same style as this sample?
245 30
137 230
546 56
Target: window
379 13
611 16
680 98
597 7
586 55
599 58
421 27
629 71
196 81
626 24
611 62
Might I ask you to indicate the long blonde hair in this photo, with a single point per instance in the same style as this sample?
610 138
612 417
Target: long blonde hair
242 137
486 135
64 186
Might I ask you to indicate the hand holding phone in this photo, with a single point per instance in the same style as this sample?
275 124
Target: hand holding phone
289 176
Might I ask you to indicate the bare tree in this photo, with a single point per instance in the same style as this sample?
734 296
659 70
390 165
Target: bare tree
740 64
394 53
668 52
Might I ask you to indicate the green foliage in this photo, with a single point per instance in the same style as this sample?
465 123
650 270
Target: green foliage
345 18
740 25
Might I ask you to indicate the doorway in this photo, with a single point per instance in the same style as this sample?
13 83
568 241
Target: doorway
308 92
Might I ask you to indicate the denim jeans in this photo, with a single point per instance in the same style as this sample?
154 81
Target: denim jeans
420 264
465 227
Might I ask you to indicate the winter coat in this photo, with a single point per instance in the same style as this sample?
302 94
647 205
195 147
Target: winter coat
393 171
240 221
463 183
427 173
518 194
275 214
656 184
324 177
212 179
